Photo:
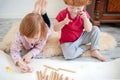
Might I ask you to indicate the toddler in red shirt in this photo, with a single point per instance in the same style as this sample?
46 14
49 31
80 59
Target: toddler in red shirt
77 30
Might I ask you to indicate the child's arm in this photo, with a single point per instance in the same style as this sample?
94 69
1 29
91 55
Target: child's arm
27 57
35 51
59 25
37 48
15 54
15 49
87 23
40 44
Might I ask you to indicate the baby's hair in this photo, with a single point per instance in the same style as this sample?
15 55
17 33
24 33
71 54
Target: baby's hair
32 24
77 2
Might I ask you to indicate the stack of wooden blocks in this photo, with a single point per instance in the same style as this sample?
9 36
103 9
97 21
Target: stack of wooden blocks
53 75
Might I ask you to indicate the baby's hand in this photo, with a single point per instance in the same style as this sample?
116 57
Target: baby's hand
28 57
82 14
67 20
24 67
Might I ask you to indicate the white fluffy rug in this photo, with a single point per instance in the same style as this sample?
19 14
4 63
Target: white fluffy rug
84 70
52 47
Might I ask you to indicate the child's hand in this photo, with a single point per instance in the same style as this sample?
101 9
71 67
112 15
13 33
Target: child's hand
24 67
28 57
67 20
82 14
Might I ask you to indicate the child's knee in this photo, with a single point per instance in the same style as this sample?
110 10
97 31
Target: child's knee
69 54
96 29
68 51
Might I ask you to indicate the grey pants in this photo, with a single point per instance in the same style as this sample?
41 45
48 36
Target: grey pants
73 50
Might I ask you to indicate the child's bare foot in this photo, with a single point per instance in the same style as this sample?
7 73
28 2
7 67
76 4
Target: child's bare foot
37 6
96 54
88 47
43 6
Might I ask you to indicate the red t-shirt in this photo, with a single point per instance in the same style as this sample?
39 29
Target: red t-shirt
71 31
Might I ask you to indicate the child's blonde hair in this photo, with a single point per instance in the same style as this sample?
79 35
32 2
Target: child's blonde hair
77 2
32 24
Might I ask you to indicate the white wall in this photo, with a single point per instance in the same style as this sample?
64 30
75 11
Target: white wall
19 8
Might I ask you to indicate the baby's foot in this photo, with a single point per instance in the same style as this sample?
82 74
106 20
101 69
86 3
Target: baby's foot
43 6
96 54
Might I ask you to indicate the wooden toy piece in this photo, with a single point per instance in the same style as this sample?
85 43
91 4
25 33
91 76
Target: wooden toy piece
40 73
8 68
66 78
51 75
61 77
46 77
56 75
50 67
38 76
66 70
59 69
44 73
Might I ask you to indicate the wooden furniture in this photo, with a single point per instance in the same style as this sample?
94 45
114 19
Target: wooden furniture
104 11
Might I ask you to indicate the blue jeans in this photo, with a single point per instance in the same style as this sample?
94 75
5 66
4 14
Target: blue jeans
74 49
